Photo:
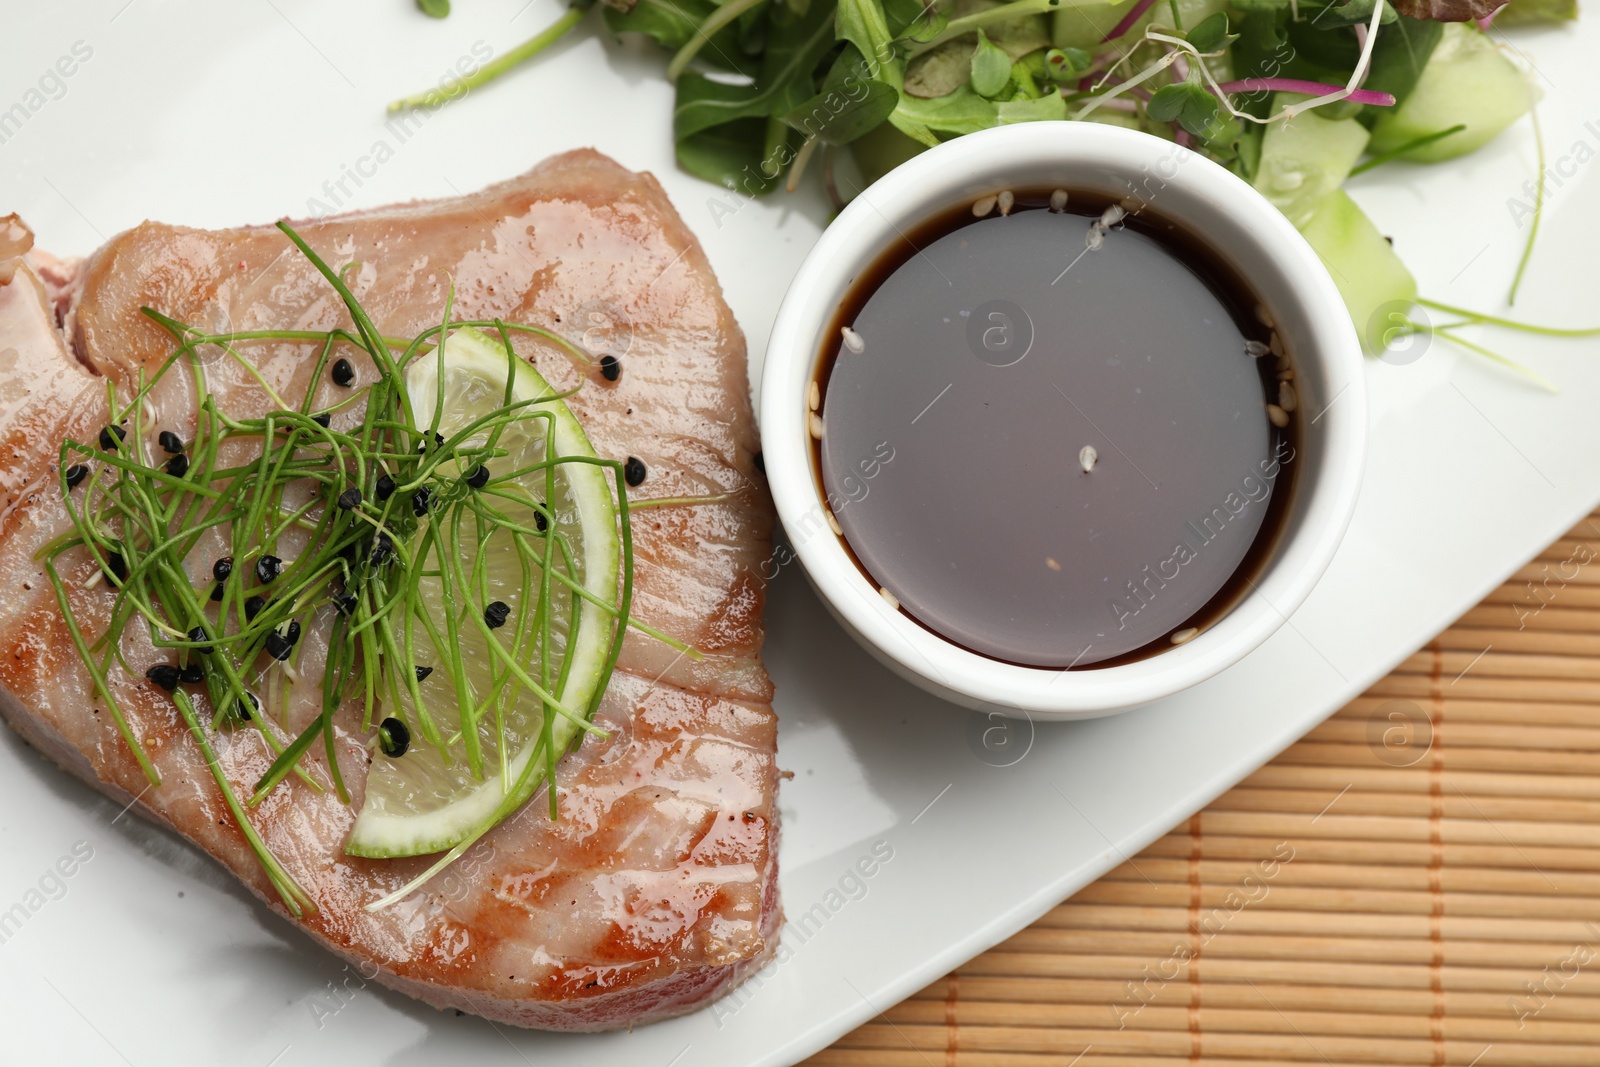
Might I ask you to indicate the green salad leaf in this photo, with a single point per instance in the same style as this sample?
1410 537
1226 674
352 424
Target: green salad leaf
1289 94
990 68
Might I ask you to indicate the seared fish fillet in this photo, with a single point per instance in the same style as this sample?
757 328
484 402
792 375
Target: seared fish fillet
656 890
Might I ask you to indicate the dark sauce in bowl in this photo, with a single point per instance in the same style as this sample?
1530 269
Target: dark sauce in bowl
977 368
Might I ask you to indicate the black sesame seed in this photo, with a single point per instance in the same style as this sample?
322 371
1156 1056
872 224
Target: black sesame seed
178 465
423 672
268 567
170 442
438 440
253 606
291 633
384 489
496 614
245 712
610 369
322 418
478 477
111 436
197 635
420 501
164 675
75 474
345 603
761 462
382 549
222 568
117 566
216 593
539 521
633 471
393 738
343 373
350 499
193 674
278 646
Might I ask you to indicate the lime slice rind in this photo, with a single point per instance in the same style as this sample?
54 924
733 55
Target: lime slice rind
428 801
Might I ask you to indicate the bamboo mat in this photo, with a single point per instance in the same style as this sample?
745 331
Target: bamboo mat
1415 882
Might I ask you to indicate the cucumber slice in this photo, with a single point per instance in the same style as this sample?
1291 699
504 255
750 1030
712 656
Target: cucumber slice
1306 160
1370 277
1466 82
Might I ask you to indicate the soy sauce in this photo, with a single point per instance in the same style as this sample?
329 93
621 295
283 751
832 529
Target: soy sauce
1001 355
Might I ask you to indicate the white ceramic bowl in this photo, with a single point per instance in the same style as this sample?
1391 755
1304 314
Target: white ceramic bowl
1217 206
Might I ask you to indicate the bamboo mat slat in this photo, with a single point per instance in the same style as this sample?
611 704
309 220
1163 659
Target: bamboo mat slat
1435 903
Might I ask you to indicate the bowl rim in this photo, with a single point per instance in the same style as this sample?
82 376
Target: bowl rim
947 174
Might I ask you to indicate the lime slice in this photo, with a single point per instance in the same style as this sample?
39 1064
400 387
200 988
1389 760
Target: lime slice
429 800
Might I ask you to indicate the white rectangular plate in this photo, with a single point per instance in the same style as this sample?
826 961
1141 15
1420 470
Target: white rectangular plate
220 114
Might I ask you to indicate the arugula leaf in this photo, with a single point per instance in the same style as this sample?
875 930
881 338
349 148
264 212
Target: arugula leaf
731 155
837 117
864 24
784 83
962 111
1045 108
1325 50
990 68
671 23
753 29
913 20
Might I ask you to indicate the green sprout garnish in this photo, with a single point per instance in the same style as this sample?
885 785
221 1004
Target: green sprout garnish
1538 209
361 510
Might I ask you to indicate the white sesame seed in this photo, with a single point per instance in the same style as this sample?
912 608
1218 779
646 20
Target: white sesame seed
1275 415
833 524
1094 238
1005 201
816 426
1286 374
1255 349
889 598
1112 215
1185 635
814 396
1052 564
1287 400
1275 344
983 205
852 340
94 579
1264 316
1058 200
1087 457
